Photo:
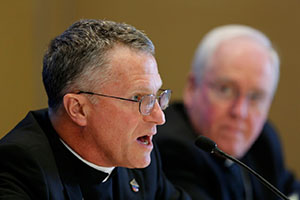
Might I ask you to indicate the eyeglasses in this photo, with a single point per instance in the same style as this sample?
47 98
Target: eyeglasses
228 91
146 102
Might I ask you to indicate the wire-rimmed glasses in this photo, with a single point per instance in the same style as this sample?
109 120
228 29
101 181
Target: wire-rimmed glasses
146 102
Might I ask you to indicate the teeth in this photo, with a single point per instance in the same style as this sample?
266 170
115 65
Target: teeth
144 140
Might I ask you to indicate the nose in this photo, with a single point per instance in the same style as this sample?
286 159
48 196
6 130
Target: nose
157 116
240 108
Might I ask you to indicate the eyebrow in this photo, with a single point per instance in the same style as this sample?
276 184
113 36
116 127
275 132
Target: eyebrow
146 90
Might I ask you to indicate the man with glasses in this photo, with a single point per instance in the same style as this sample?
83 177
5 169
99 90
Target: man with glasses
95 139
227 99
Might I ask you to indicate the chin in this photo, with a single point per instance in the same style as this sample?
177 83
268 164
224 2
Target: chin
143 163
237 153
229 150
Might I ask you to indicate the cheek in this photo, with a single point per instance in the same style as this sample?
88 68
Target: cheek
121 123
114 121
256 126
117 131
211 113
254 129
203 113
258 118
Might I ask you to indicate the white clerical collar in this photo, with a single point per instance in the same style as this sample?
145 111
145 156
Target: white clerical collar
107 170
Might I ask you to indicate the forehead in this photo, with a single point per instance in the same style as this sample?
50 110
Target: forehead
134 69
243 60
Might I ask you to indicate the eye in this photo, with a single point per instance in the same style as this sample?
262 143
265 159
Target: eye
225 90
256 96
136 97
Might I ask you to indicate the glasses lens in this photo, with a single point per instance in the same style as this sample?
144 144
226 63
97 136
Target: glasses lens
164 99
147 104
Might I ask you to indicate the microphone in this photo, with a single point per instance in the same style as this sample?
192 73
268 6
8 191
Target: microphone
210 146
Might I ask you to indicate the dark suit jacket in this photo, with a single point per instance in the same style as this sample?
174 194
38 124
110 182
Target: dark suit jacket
34 164
204 175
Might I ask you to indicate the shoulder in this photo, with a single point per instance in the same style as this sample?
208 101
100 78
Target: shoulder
28 137
27 158
176 140
26 131
177 127
268 140
267 146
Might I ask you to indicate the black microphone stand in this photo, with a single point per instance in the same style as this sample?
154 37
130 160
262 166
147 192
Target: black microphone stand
216 150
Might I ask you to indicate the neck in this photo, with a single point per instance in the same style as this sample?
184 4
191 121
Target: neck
67 130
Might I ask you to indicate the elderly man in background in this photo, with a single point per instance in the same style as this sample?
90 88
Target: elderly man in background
227 98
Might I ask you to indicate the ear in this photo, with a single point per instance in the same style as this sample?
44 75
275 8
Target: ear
189 89
74 106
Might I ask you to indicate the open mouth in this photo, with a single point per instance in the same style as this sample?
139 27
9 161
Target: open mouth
144 140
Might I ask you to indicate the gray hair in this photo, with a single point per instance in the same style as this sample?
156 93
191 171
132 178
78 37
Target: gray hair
74 56
215 37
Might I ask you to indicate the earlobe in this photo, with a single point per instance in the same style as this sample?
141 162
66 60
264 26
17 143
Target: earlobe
74 106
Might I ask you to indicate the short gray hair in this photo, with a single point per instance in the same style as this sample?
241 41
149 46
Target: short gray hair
74 56
215 37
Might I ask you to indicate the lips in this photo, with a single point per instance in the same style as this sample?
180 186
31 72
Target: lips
146 140
234 128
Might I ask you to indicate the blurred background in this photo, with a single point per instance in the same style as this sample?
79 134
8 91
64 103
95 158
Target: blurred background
175 27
